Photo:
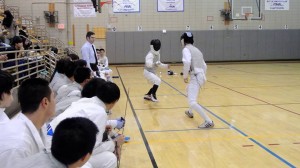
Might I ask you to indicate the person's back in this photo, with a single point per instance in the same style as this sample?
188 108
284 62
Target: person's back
69 67
72 146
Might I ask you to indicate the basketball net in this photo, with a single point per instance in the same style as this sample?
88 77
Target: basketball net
248 16
106 2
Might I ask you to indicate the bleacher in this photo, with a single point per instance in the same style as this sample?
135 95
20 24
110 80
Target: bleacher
32 62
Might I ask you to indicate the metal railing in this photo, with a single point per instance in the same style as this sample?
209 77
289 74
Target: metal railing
29 63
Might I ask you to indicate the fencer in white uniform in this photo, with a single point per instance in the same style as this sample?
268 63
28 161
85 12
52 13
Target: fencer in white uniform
73 143
194 64
95 109
6 97
22 136
152 61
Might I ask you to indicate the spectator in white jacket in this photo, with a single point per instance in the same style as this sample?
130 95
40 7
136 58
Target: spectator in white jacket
22 136
94 109
72 146
66 93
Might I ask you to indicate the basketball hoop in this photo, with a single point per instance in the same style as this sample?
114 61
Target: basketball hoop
106 2
248 16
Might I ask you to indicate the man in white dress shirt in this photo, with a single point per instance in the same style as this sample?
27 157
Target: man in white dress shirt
88 52
194 64
6 97
22 136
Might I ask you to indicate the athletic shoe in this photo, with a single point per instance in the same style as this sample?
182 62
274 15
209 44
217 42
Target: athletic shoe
153 98
207 124
147 97
189 114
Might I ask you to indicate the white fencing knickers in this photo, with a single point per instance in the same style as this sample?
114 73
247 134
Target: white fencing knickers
151 77
193 90
103 156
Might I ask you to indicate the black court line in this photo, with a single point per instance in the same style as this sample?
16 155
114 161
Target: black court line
241 132
255 98
180 130
154 164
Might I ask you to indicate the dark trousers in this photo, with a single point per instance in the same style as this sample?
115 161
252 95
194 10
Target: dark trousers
95 68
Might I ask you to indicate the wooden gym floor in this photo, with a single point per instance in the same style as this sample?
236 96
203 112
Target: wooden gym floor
255 107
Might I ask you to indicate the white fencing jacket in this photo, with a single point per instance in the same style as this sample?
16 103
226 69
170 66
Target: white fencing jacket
91 108
65 90
19 138
3 116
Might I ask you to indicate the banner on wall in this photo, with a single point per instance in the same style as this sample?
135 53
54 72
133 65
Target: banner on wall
170 5
84 8
126 6
277 4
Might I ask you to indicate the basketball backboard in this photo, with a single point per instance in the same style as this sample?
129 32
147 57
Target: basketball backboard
240 9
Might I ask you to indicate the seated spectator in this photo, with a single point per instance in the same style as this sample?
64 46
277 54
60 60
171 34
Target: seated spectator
95 109
16 45
72 91
58 73
103 64
6 97
54 50
72 146
22 136
68 76
23 34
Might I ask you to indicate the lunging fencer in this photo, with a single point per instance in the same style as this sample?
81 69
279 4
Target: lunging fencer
152 61
194 64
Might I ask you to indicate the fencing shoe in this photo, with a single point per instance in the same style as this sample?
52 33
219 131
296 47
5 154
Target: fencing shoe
189 114
207 124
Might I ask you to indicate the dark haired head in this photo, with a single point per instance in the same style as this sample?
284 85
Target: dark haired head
108 92
101 49
187 37
80 63
89 89
81 74
89 34
6 84
74 57
8 19
54 49
73 139
31 92
15 40
69 68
